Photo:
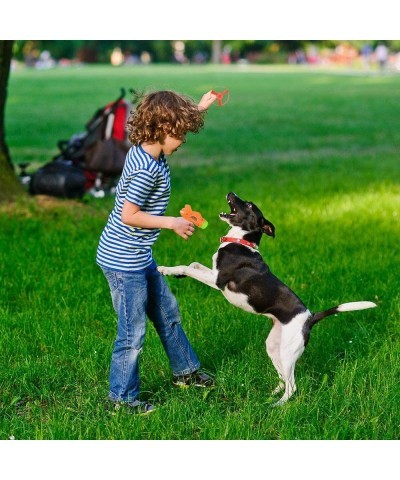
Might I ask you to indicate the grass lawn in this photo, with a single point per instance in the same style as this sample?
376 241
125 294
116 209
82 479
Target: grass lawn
318 152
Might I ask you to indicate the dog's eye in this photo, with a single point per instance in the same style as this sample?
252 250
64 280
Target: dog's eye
249 205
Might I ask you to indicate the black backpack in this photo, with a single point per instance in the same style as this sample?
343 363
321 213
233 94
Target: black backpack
59 178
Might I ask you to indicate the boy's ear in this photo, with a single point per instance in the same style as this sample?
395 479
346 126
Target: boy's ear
268 228
166 128
163 132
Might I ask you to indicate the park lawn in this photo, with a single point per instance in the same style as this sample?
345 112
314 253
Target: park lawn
317 151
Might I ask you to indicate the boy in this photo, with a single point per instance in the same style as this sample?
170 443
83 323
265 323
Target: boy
157 128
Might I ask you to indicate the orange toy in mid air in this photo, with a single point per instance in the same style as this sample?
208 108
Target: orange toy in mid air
195 217
220 96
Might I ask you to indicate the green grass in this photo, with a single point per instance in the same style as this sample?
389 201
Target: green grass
318 152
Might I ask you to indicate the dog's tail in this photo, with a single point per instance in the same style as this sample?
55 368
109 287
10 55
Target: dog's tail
344 307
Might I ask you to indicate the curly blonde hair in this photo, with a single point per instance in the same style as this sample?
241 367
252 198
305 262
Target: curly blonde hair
163 113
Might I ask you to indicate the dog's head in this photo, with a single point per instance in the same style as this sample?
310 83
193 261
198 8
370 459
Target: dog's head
247 216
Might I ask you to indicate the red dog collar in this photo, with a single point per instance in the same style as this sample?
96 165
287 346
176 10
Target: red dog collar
238 240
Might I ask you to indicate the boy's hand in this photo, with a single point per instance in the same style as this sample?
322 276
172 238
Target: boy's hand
182 227
206 100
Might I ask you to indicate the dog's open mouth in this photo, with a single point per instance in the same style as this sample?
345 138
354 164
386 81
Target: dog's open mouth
233 210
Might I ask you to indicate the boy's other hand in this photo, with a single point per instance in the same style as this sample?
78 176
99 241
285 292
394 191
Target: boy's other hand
206 100
182 227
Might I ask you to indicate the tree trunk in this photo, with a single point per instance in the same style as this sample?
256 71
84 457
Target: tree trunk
10 186
216 51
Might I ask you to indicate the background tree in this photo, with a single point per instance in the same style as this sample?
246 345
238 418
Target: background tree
10 187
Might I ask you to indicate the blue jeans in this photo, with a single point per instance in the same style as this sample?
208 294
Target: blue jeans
135 295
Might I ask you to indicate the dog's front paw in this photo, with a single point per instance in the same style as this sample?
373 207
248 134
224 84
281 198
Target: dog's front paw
165 270
171 270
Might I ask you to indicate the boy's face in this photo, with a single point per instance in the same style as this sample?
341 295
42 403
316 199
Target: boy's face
171 144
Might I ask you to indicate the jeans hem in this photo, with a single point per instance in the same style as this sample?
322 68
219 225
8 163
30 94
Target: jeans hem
116 399
187 371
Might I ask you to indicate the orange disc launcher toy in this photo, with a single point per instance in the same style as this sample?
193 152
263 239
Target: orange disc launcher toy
195 217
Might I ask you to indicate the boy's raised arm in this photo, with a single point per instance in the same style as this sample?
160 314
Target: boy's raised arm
206 100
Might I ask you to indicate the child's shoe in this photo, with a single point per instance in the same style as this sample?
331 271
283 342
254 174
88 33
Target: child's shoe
135 408
197 379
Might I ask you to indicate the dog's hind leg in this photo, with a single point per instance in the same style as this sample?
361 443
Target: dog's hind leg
273 344
291 348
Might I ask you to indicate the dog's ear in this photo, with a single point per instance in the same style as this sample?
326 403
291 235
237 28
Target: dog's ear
268 228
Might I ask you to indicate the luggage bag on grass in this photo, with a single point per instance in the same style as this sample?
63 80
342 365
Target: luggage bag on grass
59 179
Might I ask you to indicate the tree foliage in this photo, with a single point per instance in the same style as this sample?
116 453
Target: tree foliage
92 51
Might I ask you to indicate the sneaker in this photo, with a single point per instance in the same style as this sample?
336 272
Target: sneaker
135 408
197 379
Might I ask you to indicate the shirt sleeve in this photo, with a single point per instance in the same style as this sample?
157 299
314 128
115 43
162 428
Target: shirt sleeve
140 186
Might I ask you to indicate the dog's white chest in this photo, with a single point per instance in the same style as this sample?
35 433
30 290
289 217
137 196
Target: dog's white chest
240 300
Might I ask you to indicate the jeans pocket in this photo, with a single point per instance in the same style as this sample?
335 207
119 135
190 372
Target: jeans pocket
112 279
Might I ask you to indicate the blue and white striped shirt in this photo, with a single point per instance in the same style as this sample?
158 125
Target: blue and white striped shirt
145 182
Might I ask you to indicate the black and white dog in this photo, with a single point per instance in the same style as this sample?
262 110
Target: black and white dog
247 282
